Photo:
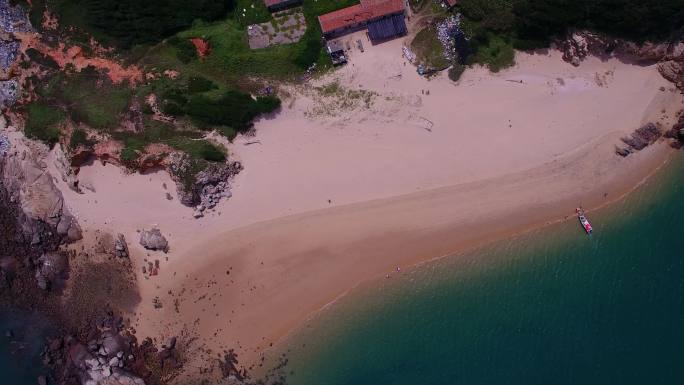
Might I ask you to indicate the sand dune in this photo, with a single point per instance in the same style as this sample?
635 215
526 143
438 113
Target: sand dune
373 167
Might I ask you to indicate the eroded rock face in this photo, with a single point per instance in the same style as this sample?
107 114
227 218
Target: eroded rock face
154 240
120 246
30 186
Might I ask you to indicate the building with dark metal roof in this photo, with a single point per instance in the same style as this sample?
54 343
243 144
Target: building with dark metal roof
387 28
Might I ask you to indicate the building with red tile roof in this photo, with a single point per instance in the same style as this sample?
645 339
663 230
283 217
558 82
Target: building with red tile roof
387 17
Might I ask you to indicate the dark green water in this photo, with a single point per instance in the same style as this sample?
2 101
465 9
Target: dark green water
20 362
551 307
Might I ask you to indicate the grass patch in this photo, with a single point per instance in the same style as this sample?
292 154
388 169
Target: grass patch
247 12
428 49
42 122
88 97
189 142
198 149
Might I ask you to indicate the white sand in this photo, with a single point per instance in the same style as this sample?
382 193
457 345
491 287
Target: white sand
501 156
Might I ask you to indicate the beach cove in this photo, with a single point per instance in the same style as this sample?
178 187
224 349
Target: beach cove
342 188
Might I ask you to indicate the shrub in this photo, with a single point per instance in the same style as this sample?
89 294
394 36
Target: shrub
198 84
43 60
185 50
80 138
128 154
211 153
456 71
130 22
266 104
310 52
234 109
42 122
493 51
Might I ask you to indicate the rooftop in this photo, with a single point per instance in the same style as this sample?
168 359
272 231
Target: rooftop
270 3
363 12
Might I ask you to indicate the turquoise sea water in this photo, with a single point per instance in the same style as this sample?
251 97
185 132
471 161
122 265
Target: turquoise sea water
550 307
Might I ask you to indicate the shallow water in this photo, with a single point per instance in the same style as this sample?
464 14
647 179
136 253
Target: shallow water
550 307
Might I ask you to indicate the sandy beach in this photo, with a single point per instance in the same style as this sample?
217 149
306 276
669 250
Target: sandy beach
372 168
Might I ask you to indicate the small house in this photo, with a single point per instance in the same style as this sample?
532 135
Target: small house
336 52
279 5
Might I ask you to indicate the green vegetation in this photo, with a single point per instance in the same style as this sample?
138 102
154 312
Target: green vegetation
255 12
533 23
80 138
494 51
87 97
233 109
428 49
41 59
185 50
190 142
100 106
497 26
456 71
129 22
42 122
200 84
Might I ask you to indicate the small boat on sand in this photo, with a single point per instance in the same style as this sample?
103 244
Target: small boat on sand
584 221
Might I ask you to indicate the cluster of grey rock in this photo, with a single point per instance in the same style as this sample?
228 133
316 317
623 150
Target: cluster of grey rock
154 240
120 246
204 190
13 18
210 196
102 362
4 145
52 269
9 92
8 53
640 139
447 30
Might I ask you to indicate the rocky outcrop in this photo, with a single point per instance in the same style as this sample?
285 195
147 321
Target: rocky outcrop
669 55
677 132
154 240
107 359
640 139
673 71
52 270
204 189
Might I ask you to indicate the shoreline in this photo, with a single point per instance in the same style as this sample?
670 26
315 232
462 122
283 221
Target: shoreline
285 339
